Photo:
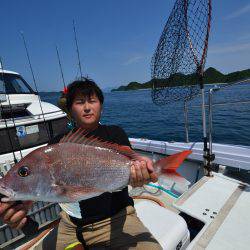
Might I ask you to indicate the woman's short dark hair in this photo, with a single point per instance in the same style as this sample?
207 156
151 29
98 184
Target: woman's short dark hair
85 87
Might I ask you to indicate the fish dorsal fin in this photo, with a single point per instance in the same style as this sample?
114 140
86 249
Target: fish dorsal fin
80 137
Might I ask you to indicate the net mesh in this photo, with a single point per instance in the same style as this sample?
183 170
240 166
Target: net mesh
178 62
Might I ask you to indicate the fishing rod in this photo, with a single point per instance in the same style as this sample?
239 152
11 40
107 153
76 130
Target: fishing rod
62 99
60 65
77 49
34 81
31 226
12 118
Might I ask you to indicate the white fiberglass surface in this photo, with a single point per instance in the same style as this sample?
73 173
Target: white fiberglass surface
209 198
229 155
234 233
167 227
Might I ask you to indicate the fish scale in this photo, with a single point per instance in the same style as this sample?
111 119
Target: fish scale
81 159
70 172
67 172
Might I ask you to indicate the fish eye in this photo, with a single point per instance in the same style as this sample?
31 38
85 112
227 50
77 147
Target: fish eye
23 171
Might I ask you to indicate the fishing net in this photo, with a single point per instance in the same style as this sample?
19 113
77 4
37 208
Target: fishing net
178 63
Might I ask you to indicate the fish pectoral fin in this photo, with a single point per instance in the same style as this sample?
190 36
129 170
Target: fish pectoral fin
76 193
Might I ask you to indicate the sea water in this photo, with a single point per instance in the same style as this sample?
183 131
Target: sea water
135 112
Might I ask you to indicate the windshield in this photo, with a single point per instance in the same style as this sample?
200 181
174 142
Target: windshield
14 84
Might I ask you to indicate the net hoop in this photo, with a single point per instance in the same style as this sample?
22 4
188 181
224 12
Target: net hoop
177 66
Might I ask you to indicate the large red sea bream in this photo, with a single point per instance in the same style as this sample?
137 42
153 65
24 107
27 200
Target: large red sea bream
76 169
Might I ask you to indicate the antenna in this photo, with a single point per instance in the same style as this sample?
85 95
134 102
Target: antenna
77 49
34 80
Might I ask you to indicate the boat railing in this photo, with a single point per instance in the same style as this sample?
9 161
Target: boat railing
33 117
211 104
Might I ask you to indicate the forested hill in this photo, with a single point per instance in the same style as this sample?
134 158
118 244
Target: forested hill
211 76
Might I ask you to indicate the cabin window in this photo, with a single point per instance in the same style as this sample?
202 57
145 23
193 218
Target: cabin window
14 84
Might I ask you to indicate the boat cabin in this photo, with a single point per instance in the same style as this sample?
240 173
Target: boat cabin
26 122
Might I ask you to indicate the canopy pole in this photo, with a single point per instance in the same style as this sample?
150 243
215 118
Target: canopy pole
208 157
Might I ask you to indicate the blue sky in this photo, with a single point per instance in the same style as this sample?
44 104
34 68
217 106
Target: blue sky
116 38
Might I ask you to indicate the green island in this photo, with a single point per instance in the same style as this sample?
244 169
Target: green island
211 76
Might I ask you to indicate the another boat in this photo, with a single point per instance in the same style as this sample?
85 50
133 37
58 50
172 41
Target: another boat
26 123
25 119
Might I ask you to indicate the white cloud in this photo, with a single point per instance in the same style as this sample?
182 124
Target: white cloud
232 48
244 37
239 12
133 59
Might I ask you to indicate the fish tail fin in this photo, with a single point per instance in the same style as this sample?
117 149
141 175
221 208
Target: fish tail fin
172 162
167 166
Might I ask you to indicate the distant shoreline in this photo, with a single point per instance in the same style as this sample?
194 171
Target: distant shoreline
211 77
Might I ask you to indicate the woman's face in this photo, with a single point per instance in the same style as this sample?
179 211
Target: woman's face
86 111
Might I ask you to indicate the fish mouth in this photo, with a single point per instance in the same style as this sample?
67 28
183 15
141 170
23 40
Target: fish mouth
6 194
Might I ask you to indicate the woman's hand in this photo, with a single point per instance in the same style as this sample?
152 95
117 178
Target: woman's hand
142 172
14 214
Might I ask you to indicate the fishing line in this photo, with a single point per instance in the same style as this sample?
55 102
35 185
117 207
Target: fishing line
11 114
77 49
34 81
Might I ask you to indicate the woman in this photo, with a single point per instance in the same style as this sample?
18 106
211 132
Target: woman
109 220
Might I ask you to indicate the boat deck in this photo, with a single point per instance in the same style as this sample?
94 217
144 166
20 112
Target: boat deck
223 205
